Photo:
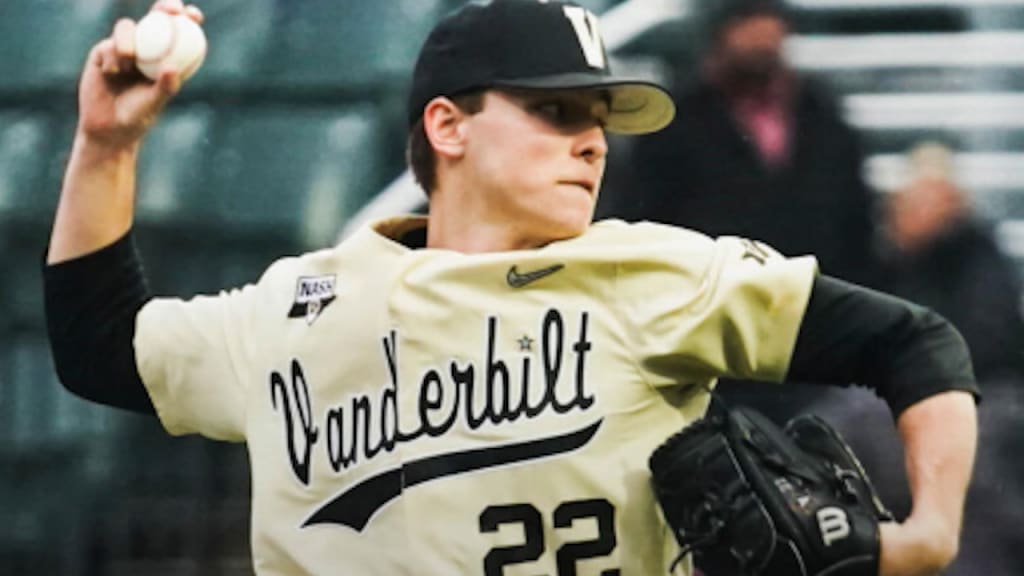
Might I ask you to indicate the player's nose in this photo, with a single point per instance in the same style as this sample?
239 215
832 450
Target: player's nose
591 144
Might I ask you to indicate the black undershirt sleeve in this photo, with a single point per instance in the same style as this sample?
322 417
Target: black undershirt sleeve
854 335
91 303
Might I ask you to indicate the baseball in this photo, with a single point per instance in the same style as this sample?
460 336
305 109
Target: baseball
168 40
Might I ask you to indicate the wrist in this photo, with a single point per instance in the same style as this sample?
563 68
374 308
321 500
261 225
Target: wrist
938 540
94 148
918 547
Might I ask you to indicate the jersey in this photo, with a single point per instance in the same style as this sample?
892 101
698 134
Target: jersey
428 412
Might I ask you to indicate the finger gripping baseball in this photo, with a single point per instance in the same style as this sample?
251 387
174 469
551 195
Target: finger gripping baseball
748 498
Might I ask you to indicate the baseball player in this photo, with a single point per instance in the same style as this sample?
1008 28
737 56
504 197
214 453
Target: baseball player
478 391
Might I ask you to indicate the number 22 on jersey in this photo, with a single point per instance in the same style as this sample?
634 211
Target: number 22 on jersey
599 511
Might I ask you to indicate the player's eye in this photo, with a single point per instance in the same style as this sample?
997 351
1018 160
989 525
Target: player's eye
555 112
564 113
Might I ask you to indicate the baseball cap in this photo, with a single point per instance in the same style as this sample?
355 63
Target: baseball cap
531 44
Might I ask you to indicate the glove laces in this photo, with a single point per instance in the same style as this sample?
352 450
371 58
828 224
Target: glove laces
696 540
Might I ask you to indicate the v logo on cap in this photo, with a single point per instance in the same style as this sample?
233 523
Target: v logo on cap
588 33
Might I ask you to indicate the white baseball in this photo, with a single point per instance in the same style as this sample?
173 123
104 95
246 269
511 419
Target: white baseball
168 40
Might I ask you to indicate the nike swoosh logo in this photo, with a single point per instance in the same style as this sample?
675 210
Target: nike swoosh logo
357 505
518 280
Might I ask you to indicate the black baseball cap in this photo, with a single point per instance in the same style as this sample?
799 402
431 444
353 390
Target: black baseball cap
531 44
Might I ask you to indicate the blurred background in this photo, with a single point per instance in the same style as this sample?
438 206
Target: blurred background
294 131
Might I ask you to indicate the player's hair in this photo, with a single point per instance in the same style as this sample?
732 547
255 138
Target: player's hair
420 154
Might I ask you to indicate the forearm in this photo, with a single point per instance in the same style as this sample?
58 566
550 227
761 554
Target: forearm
940 437
97 199
939 434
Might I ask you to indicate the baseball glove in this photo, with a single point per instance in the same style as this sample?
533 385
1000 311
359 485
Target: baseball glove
748 498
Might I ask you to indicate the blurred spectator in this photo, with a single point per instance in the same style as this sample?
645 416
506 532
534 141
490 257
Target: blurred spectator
940 254
755 150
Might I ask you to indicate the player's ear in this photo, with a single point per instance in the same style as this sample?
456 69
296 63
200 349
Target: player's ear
444 124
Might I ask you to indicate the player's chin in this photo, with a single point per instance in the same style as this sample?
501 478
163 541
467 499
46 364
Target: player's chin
569 221
565 211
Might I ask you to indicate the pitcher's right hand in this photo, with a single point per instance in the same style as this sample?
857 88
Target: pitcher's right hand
117 104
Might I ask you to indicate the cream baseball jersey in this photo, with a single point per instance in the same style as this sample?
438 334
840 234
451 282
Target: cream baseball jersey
427 412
